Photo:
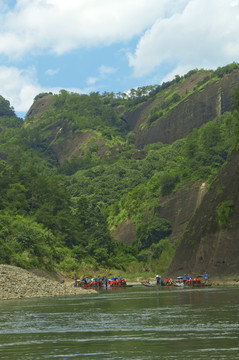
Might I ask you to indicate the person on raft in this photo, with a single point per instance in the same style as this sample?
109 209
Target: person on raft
157 279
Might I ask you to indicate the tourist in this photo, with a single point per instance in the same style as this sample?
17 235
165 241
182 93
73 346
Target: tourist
77 282
157 279
189 280
206 276
198 281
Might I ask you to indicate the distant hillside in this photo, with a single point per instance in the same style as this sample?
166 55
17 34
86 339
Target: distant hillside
192 102
121 181
165 114
75 124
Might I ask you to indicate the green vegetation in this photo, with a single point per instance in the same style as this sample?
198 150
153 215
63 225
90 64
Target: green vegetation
62 216
224 212
41 95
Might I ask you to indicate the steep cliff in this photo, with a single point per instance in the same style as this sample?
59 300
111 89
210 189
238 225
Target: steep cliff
194 212
210 242
59 132
197 106
201 106
39 106
179 207
76 176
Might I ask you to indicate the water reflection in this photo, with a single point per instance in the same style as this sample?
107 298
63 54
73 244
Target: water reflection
137 323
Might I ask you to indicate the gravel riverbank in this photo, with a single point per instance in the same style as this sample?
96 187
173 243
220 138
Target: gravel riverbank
17 283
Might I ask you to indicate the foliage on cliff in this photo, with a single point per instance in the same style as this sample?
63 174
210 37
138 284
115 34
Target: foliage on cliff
62 215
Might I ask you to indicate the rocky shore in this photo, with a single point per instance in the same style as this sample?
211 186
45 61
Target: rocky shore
17 283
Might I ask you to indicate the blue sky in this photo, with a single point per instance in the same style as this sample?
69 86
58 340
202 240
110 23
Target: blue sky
109 45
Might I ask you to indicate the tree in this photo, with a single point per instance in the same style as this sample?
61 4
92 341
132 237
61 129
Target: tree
158 248
16 197
5 108
191 145
168 182
236 100
153 231
210 135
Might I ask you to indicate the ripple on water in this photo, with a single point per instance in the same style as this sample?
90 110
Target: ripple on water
134 324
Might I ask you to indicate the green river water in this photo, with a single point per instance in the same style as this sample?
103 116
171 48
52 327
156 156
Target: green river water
136 323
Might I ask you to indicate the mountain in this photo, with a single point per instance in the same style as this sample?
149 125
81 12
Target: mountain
169 113
124 181
200 98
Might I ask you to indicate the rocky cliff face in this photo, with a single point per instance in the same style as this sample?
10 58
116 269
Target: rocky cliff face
193 211
207 244
177 208
60 137
125 232
192 112
210 242
196 110
40 106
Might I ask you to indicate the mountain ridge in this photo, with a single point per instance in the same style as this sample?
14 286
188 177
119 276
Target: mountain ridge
212 102
105 180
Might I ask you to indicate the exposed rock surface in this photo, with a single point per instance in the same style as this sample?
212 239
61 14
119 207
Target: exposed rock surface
178 208
125 232
17 283
193 112
207 245
40 106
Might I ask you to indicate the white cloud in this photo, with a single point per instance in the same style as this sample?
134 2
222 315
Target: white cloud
20 86
204 34
183 33
62 25
92 80
179 70
51 72
106 70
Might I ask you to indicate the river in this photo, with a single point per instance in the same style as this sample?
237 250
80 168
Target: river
136 323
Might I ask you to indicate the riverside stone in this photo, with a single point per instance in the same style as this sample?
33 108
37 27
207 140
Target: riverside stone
17 283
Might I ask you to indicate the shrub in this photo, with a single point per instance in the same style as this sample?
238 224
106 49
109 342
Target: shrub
168 183
224 213
153 231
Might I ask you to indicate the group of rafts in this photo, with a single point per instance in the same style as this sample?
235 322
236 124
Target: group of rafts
99 282
186 280
115 282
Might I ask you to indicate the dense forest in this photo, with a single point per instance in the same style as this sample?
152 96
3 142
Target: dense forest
61 211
